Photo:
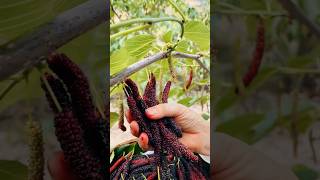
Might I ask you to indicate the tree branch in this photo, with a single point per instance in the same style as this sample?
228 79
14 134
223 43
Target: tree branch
296 13
117 78
26 51
196 57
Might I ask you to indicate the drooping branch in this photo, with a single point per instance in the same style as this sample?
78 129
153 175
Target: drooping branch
296 13
27 51
117 78
149 21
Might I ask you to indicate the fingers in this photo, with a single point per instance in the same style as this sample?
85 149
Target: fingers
165 110
134 128
59 169
144 141
129 116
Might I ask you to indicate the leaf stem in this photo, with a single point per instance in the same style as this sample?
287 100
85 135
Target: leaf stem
54 98
174 5
250 13
10 86
14 83
126 32
289 70
147 20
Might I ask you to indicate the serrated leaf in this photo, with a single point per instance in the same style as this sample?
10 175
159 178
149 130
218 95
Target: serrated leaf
13 170
139 45
199 33
119 60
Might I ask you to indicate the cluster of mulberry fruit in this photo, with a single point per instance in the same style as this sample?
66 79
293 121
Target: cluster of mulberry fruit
80 129
171 159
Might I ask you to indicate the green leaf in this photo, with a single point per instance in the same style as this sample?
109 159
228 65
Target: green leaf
119 60
304 172
226 101
185 101
242 126
13 170
139 45
125 149
167 37
264 75
183 46
205 116
112 156
199 33
113 118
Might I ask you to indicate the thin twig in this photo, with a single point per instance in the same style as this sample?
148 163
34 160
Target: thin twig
296 13
196 57
10 86
290 70
174 5
250 13
52 95
126 32
14 82
148 20
119 77
311 142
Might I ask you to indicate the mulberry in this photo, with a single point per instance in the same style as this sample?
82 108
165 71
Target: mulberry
163 136
257 55
82 132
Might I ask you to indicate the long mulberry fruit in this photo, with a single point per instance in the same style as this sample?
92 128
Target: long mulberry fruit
257 56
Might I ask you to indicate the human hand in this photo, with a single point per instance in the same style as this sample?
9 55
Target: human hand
195 131
59 168
235 160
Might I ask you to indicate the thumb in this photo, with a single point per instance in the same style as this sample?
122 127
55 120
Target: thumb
166 110
59 169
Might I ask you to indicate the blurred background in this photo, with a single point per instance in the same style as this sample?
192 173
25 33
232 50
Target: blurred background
26 99
278 113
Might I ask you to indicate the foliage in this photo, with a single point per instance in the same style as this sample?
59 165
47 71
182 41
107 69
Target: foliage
13 170
21 18
133 47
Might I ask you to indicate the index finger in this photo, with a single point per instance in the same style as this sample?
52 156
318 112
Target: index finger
129 116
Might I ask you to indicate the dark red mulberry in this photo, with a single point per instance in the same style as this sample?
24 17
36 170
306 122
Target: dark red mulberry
189 81
257 55
165 93
78 87
76 152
